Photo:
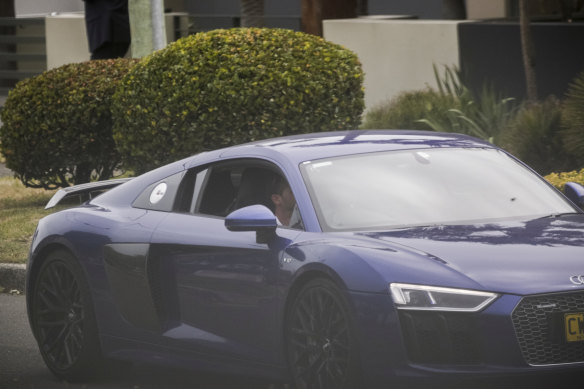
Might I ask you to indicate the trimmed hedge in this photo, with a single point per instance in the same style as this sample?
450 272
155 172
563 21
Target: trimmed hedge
225 87
57 127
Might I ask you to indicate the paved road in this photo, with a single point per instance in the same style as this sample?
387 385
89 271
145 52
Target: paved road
21 366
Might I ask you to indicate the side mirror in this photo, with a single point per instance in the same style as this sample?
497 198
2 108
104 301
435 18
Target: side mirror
256 218
575 192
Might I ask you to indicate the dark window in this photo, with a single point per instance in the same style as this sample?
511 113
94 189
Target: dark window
221 188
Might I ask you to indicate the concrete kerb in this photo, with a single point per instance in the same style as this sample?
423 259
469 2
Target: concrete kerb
12 277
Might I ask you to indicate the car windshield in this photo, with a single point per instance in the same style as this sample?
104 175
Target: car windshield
426 187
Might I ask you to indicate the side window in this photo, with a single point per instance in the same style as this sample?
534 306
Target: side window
220 189
216 192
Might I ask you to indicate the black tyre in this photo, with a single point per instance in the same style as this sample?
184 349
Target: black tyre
63 320
321 339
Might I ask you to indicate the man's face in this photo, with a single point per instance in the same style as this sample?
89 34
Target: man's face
285 200
288 200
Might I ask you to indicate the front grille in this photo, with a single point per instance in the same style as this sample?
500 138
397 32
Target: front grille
440 337
540 329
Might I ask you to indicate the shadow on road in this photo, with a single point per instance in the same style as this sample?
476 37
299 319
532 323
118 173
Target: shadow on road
141 377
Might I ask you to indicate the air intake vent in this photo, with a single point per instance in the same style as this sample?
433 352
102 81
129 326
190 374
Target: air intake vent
539 323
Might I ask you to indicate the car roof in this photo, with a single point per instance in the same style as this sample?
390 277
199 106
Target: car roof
290 151
305 147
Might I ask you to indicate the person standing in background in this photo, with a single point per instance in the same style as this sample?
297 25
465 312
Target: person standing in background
108 28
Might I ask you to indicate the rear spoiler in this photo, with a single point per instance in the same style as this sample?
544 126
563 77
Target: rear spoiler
87 190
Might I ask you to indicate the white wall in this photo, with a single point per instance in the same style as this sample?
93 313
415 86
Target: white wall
66 37
397 55
44 7
481 9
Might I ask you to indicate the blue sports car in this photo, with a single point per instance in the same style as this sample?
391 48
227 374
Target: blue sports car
332 260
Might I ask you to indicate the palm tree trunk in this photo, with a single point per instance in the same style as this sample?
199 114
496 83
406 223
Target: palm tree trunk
528 51
252 13
315 11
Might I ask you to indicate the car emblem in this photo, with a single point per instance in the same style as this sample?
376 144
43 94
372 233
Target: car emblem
546 306
577 280
158 193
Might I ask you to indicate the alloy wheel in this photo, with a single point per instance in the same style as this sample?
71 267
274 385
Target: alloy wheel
320 339
59 315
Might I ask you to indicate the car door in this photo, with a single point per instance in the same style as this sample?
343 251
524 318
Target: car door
227 297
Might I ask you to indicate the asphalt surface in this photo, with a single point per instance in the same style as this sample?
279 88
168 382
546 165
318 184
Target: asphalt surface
22 367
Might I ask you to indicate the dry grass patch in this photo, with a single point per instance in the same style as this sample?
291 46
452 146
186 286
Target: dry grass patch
20 210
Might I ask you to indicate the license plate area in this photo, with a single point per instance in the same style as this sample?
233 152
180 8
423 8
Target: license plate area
574 327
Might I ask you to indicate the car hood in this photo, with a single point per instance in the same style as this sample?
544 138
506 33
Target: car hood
536 256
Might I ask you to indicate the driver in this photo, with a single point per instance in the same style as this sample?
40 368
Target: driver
285 207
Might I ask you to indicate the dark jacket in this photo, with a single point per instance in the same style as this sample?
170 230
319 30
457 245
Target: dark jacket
106 21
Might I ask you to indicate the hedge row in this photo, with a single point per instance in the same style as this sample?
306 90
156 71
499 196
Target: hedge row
204 91
57 127
232 86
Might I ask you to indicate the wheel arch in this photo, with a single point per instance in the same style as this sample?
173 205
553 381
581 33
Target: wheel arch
36 263
303 278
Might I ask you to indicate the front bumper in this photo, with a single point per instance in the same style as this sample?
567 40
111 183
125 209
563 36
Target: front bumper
495 342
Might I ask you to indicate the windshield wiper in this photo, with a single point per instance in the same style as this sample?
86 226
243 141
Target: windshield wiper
557 215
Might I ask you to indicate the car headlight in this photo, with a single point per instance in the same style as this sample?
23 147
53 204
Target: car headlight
434 298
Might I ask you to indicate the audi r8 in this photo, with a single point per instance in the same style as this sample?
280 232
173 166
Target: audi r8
413 254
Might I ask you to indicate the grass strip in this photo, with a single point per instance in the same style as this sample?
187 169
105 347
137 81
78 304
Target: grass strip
20 210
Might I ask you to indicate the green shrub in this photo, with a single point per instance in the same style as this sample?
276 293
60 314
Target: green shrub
534 136
482 115
573 119
408 109
225 87
57 127
560 179
450 108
